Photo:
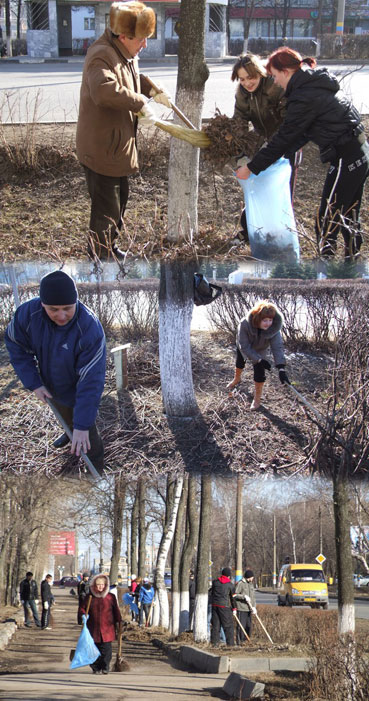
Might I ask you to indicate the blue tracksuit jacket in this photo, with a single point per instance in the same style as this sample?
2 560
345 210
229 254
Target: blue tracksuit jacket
68 360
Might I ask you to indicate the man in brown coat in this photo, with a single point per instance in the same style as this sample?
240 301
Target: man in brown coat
112 93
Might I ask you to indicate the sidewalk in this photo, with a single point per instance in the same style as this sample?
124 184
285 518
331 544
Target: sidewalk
170 60
35 665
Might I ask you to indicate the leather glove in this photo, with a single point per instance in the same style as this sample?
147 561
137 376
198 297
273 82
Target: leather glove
283 375
247 599
146 116
265 364
46 605
161 96
253 610
36 602
234 611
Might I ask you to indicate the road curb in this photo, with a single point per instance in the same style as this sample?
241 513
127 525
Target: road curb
210 663
8 627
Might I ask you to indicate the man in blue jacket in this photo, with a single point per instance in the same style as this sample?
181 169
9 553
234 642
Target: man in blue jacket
57 349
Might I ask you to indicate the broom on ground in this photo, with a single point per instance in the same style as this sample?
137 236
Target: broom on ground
120 665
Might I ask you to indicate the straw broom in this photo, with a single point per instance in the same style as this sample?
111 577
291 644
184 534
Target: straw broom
195 137
120 665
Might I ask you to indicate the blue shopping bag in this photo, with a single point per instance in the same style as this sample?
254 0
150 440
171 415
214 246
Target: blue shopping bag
128 600
86 651
270 220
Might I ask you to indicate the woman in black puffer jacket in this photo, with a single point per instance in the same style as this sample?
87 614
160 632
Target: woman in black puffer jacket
318 111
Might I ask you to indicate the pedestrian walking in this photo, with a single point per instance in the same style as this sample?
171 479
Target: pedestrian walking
28 594
47 600
222 591
257 332
57 348
145 599
112 93
318 111
103 620
244 598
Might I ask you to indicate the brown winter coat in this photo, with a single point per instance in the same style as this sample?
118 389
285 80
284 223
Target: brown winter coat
265 108
111 95
103 614
253 343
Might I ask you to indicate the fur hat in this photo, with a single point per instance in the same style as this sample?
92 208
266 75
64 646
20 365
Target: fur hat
133 19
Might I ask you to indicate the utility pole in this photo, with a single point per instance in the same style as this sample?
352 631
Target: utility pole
320 530
340 18
239 524
101 564
76 554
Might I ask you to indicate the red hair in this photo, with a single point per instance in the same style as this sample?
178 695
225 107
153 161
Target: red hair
286 58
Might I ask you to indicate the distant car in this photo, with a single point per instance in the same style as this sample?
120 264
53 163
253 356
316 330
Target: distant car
69 582
168 579
361 580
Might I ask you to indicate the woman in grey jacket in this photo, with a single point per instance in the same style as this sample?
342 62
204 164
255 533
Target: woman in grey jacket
258 331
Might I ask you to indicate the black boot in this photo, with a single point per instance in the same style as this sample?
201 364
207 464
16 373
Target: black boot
62 441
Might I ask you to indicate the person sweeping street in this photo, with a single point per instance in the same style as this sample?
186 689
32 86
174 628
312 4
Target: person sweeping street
256 333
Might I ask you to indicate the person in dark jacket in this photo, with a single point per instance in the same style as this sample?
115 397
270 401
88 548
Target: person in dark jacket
222 590
47 600
103 619
82 591
318 111
57 348
256 333
244 598
28 594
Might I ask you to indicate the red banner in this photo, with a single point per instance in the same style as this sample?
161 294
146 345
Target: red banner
62 543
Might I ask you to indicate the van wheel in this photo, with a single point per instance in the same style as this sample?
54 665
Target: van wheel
325 606
279 603
288 601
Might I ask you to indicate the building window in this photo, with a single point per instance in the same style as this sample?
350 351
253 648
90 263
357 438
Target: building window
89 23
38 15
216 18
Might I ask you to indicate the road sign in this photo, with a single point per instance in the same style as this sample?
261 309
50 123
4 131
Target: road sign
320 558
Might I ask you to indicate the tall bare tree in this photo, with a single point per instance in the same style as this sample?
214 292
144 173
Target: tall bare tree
120 487
176 558
176 285
200 627
189 550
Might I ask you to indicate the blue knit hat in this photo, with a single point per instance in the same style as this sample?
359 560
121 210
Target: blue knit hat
58 288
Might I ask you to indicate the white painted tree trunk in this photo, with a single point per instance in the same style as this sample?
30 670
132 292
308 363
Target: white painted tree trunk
184 618
176 602
346 619
155 612
183 176
200 628
164 546
175 314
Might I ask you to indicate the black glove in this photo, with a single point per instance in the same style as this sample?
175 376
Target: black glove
264 364
283 375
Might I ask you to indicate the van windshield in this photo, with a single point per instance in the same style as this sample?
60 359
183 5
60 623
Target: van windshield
306 575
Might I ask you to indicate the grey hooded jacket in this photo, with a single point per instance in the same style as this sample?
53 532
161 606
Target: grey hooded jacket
254 343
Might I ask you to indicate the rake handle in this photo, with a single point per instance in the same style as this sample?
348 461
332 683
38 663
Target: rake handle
69 433
173 106
264 629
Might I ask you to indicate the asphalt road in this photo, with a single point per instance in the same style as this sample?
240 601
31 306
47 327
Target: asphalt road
50 92
361 606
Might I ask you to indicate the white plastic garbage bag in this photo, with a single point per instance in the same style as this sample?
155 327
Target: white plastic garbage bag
269 215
